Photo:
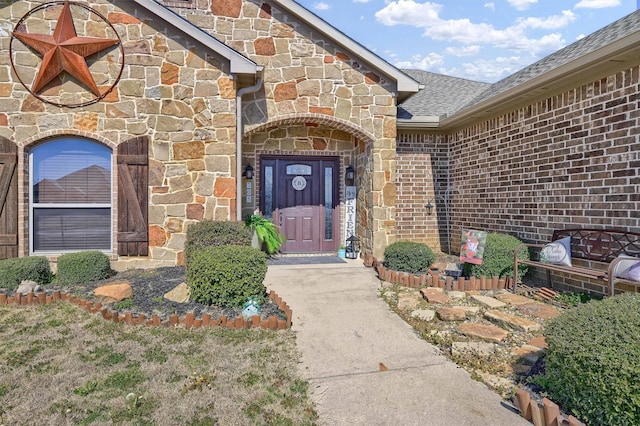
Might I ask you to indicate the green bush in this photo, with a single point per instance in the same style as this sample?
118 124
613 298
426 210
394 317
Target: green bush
227 275
409 257
14 271
592 366
83 267
209 233
498 258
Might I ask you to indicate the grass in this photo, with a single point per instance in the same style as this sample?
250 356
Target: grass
60 365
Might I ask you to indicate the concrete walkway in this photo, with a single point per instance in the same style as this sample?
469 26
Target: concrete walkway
348 336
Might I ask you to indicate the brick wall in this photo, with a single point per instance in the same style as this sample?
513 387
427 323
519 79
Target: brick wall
571 160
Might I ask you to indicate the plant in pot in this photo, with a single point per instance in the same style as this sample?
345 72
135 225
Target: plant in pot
342 252
270 239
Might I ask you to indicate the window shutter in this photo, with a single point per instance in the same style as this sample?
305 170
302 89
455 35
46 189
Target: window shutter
133 176
8 199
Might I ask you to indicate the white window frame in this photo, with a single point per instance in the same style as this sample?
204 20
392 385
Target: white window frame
33 205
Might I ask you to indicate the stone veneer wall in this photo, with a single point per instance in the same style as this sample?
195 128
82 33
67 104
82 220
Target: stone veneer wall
308 75
171 90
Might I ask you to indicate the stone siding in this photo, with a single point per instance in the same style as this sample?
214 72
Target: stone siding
170 89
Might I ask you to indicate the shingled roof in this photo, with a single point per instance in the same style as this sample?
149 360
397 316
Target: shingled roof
465 95
442 95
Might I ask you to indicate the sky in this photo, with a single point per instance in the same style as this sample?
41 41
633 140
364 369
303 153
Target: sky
475 39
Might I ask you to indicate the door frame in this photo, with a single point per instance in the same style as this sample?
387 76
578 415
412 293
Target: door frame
326 246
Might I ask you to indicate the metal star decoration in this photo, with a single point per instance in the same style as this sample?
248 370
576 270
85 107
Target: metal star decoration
64 51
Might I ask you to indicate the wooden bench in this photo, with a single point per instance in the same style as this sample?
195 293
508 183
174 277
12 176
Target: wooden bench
597 245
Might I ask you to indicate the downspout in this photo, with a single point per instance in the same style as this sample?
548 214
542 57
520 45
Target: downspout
239 131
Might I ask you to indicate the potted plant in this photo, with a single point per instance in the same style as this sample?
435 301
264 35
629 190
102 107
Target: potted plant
269 238
342 252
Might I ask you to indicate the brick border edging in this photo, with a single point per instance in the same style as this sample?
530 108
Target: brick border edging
541 415
189 320
431 279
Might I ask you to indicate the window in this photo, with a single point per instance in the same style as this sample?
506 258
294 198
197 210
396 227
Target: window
70 193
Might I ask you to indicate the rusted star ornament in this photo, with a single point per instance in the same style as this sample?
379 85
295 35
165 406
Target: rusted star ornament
64 51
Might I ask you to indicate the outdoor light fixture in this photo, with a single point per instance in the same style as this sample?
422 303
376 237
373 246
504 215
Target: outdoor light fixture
352 249
349 175
429 207
248 172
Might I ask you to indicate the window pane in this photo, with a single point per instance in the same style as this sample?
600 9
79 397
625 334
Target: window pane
71 229
268 192
71 171
328 203
299 169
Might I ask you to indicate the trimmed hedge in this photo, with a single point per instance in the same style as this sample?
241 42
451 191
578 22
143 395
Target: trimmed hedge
83 267
14 271
209 233
409 257
227 275
592 362
498 258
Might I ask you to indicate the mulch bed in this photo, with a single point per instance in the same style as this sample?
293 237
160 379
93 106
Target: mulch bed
149 287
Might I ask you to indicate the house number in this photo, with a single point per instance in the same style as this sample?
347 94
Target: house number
299 183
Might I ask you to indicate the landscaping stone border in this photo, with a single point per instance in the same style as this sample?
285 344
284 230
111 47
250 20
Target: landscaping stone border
545 414
188 321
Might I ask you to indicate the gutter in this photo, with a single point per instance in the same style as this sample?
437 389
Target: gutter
239 132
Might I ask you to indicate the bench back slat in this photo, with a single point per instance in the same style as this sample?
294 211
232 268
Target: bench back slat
601 245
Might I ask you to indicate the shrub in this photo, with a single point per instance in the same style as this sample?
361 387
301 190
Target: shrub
14 271
409 257
592 366
209 233
83 267
498 258
227 275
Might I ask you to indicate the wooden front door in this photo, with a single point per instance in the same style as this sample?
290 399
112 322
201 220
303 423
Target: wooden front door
300 195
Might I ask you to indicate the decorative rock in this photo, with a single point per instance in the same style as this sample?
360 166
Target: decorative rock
407 303
494 381
477 348
114 292
484 332
513 299
457 294
539 310
180 294
473 310
538 342
434 296
28 286
511 321
489 302
451 314
424 314
529 354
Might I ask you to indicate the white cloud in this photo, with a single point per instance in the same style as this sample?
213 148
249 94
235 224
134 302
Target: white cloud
490 5
430 62
461 51
597 4
522 4
361 1
321 6
493 69
426 15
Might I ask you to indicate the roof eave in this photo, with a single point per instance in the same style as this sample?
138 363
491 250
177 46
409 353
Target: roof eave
238 64
405 84
594 65
419 122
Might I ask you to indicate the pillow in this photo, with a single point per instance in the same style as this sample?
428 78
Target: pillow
557 252
628 268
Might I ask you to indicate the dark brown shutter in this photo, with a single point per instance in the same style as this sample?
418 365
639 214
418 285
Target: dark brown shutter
8 199
133 176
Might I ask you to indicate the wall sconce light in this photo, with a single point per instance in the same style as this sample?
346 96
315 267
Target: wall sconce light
349 175
429 207
248 172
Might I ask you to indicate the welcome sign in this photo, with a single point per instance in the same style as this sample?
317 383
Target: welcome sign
350 216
